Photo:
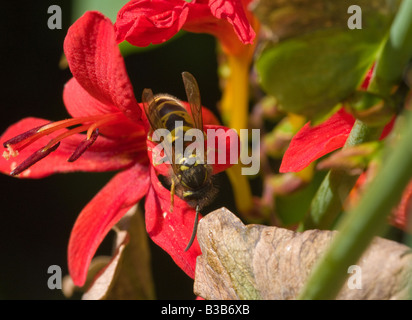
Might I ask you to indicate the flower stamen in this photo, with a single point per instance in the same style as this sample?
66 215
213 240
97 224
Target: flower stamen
65 135
83 146
21 137
35 157
87 124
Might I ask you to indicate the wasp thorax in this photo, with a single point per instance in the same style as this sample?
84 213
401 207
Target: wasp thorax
194 175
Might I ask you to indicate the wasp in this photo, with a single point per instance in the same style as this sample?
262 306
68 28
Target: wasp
190 178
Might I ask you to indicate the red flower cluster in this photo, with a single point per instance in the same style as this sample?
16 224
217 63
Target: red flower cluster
142 22
101 101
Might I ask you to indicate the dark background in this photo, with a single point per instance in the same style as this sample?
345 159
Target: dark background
37 215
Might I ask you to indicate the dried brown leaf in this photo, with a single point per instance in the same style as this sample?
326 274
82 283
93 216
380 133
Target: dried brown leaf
127 275
96 266
260 262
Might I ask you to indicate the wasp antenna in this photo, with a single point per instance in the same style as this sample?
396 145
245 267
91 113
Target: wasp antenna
192 238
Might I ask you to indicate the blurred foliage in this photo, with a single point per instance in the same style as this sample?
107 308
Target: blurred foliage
306 39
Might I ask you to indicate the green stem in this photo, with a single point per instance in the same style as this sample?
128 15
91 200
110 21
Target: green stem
327 203
363 223
396 53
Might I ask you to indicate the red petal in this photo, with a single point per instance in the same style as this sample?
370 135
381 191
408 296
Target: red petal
96 63
231 147
171 230
79 103
142 22
100 215
402 214
104 155
367 79
232 11
154 158
311 143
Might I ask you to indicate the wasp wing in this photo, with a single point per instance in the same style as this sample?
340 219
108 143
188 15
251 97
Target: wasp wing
149 106
152 114
193 97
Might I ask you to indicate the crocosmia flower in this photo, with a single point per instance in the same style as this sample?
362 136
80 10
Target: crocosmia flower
313 142
142 22
107 131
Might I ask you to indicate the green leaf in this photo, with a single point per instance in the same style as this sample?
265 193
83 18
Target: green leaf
108 7
318 61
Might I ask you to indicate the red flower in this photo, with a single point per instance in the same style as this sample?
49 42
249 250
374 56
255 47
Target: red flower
101 101
313 142
402 214
142 22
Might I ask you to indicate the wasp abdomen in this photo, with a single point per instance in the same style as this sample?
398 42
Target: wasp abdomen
170 111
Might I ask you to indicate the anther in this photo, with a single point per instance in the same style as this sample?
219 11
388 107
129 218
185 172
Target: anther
83 146
35 157
22 136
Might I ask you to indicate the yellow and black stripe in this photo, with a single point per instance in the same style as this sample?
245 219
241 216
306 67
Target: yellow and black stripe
170 113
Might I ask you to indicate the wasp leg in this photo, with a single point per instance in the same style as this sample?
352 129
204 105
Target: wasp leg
192 238
172 195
